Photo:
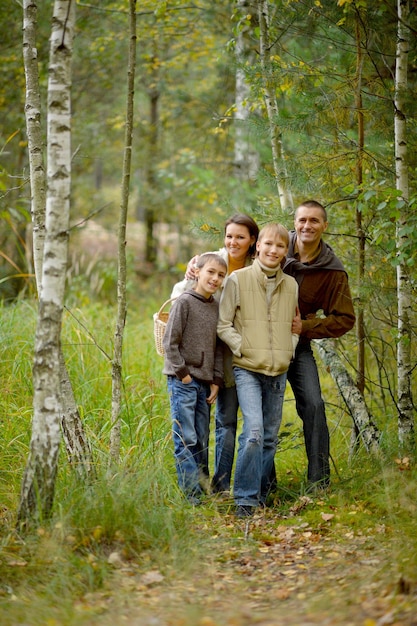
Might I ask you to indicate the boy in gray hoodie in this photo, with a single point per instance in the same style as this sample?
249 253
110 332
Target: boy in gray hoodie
194 369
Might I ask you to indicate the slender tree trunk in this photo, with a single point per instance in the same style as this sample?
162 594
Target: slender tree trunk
360 323
154 95
404 296
121 282
38 484
34 134
354 400
360 329
76 442
278 157
246 159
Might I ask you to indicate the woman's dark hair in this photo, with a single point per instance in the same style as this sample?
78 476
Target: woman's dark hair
251 225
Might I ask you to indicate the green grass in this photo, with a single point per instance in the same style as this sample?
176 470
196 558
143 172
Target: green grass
137 511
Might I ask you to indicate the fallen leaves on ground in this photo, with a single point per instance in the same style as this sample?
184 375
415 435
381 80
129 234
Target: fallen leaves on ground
262 573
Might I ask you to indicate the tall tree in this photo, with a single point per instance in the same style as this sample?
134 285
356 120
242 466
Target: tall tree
76 442
360 324
278 157
34 134
38 485
121 256
404 293
246 159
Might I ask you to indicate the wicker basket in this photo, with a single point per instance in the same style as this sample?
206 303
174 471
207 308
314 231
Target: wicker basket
159 324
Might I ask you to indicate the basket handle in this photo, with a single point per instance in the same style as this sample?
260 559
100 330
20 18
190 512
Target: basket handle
165 304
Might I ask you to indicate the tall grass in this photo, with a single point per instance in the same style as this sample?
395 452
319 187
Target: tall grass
137 509
137 512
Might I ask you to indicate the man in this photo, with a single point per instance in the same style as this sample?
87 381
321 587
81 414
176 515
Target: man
323 286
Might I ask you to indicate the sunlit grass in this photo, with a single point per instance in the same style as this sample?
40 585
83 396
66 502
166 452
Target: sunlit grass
136 511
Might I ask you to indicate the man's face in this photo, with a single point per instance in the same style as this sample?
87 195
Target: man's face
309 224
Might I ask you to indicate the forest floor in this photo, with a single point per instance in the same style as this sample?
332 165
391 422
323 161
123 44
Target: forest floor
265 572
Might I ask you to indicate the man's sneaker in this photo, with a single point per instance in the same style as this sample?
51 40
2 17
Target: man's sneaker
244 510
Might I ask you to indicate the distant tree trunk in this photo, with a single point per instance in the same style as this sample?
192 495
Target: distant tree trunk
404 288
360 323
246 159
354 400
151 183
76 442
360 330
38 485
121 280
278 159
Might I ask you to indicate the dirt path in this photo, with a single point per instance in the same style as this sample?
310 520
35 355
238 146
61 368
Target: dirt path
264 573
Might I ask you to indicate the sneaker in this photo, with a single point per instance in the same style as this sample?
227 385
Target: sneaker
244 510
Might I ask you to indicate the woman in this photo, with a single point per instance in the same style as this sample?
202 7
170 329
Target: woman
240 237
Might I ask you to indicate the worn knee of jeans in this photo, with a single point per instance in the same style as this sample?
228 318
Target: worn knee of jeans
255 436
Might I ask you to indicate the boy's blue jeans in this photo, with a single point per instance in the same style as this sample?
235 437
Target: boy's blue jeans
190 414
260 398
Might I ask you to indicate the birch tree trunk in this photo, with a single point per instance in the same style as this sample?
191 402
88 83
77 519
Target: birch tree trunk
353 398
34 134
38 485
404 342
278 157
76 442
121 281
246 160
360 329
360 317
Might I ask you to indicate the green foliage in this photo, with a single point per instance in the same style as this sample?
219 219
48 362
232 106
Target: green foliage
183 171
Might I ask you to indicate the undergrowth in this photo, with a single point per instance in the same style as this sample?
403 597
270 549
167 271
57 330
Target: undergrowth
136 512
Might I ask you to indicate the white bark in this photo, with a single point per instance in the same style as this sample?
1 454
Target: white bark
354 400
404 296
121 281
246 159
278 157
34 134
38 484
76 442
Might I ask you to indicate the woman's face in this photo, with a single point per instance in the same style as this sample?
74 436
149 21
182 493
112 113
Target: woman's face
238 240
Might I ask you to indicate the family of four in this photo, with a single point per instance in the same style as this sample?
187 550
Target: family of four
240 327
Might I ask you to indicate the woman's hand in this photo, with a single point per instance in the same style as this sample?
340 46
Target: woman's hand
189 272
214 391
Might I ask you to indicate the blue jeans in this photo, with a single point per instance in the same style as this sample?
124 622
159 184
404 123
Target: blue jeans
305 383
260 398
190 414
226 425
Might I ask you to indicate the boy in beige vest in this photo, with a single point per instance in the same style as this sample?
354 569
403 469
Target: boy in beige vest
257 308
